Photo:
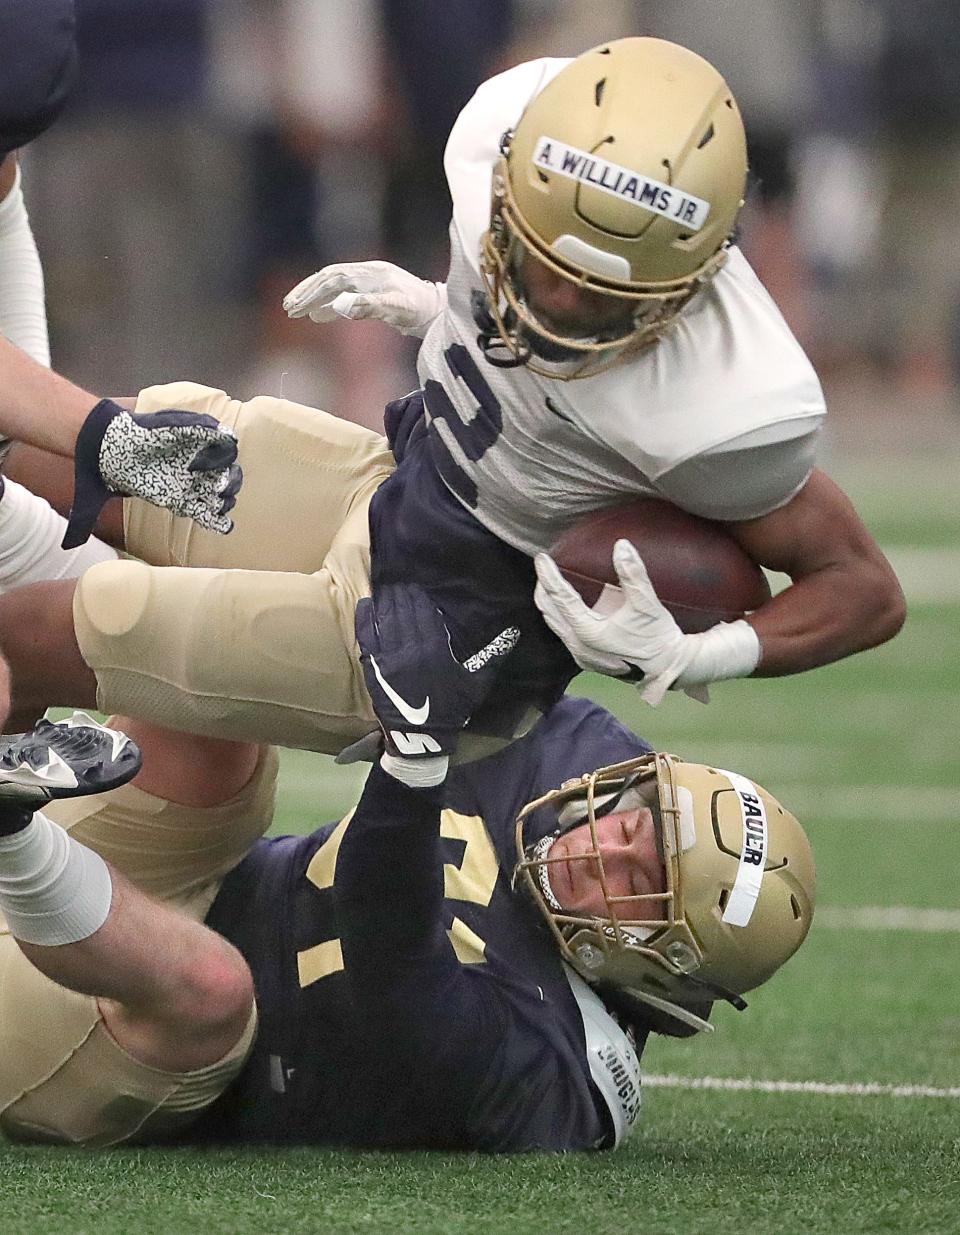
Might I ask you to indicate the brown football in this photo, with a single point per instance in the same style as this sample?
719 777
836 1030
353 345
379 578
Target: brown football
698 570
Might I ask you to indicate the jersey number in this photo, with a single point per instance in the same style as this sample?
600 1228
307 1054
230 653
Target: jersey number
474 437
473 881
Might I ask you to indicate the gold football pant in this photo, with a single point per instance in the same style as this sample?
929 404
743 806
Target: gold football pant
63 1077
250 635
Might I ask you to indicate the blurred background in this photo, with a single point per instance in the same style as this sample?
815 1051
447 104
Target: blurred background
217 151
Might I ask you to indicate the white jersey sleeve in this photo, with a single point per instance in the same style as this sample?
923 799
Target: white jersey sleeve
30 536
474 144
743 482
720 416
23 314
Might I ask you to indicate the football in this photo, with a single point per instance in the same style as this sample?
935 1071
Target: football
700 573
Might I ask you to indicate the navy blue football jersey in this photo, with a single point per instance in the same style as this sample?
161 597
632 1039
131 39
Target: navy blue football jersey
409 996
420 533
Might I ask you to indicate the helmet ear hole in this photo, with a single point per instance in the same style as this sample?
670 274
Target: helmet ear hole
795 907
724 897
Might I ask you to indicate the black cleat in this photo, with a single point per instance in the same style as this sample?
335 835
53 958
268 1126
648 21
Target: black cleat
64 759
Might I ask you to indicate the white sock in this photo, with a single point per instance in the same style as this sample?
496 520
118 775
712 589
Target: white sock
30 536
53 890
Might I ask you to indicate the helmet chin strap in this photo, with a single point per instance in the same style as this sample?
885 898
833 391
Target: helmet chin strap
495 350
676 1010
529 342
713 990
709 990
545 349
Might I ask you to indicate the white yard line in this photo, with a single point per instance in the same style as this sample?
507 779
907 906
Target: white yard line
865 1089
888 918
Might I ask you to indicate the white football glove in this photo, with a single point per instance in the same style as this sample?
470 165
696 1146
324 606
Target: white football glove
641 638
365 290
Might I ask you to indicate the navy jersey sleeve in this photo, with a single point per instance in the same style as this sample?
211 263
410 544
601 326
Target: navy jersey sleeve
38 62
404 423
461 1040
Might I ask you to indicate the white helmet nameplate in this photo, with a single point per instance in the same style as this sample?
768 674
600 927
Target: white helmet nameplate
753 856
667 200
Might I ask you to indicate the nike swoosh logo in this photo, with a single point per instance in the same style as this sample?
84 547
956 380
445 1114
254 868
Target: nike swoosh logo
416 716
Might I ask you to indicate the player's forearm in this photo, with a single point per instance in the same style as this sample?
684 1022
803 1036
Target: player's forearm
828 615
38 406
413 998
844 595
389 885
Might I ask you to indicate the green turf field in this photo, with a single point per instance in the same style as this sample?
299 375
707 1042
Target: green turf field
867 1014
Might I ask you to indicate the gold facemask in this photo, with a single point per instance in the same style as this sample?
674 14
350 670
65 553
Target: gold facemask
661 121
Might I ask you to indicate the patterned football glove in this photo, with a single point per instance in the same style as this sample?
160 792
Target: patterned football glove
421 693
641 640
182 461
361 290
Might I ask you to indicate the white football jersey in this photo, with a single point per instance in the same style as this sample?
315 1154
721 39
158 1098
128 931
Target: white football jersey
721 416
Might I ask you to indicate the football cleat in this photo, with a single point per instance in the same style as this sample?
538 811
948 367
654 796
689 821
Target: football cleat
64 759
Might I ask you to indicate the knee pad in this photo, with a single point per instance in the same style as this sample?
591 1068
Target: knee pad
110 599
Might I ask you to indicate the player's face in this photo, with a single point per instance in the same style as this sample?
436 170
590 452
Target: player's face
631 865
567 309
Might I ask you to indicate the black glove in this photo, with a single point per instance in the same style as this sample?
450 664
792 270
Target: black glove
421 693
182 461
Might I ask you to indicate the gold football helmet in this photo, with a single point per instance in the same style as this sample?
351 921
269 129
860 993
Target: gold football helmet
624 175
738 895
